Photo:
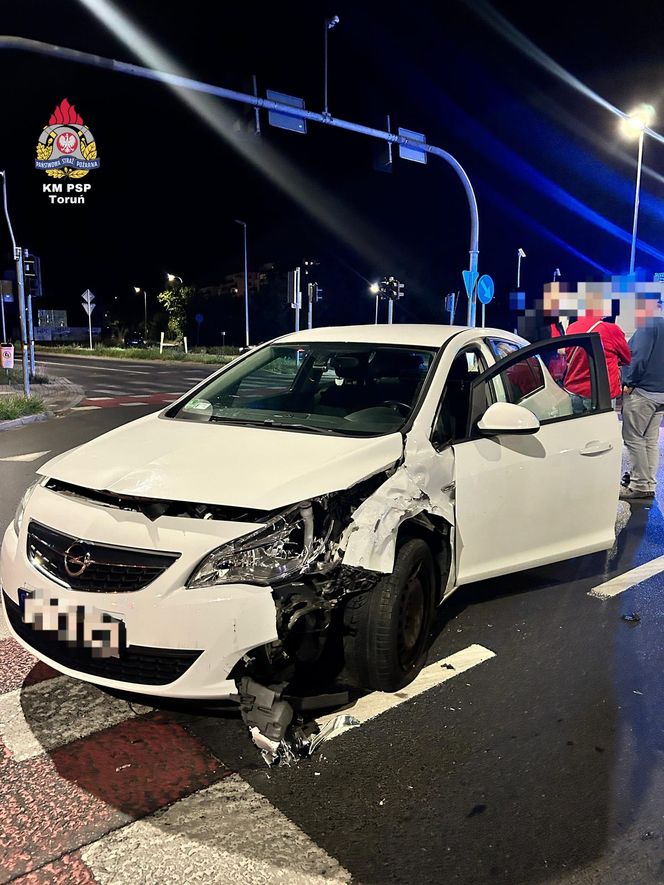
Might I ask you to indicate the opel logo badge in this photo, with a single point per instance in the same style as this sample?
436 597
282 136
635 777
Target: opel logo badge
77 559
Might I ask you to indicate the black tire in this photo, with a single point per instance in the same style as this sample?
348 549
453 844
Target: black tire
386 629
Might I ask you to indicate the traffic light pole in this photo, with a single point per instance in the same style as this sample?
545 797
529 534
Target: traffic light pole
18 257
180 82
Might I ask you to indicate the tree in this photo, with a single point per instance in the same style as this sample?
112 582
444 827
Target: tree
176 301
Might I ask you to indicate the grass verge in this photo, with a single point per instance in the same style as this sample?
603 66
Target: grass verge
14 406
143 353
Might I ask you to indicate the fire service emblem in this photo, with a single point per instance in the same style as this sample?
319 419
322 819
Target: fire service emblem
66 150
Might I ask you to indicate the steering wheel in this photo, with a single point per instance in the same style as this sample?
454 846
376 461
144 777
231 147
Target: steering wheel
396 405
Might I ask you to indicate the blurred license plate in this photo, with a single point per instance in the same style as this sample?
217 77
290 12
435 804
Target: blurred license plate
80 626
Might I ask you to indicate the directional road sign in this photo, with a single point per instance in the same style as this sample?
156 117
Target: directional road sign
485 289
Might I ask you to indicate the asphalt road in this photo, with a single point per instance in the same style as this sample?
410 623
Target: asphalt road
543 763
112 378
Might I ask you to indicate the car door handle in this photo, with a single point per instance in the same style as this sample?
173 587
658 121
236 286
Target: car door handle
595 447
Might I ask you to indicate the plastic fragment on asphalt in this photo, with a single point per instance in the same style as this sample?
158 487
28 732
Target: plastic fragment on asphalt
333 727
631 617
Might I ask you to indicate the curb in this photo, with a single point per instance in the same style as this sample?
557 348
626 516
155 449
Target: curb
26 419
63 397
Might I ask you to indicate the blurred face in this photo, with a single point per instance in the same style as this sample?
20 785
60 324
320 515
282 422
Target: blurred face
596 305
645 308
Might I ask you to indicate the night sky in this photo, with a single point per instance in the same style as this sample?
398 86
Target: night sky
551 172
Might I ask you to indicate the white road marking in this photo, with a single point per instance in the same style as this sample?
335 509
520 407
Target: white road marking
85 408
629 579
226 833
31 456
53 713
4 629
378 702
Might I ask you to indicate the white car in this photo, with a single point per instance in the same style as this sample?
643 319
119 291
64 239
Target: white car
311 502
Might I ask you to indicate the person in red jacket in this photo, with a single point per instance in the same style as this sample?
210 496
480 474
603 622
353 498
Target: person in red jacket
616 352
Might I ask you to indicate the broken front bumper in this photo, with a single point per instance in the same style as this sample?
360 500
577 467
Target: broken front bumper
178 642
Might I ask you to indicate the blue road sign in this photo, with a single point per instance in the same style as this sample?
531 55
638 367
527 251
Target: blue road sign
485 289
199 318
8 298
469 280
406 152
281 119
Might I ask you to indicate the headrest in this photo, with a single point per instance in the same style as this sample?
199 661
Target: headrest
396 364
349 366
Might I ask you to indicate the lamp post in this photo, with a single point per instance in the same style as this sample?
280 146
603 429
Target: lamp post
172 277
520 254
246 284
635 123
145 310
374 288
329 24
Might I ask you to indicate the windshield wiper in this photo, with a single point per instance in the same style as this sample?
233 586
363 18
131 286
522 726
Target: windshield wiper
270 422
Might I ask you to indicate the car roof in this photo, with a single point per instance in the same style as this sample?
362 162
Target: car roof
410 334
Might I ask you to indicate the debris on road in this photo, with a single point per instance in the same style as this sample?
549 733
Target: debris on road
270 720
631 617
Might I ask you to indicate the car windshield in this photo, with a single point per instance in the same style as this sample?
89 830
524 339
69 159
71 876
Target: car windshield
363 389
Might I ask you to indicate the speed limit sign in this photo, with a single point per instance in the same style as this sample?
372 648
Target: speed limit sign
7 356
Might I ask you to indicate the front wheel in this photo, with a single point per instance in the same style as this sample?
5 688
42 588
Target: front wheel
386 629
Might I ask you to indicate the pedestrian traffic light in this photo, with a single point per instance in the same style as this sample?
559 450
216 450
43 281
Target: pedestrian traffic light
318 292
399 289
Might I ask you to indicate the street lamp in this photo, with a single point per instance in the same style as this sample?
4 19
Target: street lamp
520 254
635 123
246 284
329 24
172 277
374 288
145 309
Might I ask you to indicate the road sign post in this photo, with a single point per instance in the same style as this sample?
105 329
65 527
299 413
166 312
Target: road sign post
88 307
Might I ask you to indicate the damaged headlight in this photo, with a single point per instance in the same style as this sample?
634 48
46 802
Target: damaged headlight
285 546
23 503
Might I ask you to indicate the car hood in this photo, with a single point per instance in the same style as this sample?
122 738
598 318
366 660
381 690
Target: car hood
255 467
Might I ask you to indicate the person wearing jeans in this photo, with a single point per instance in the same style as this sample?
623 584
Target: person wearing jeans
643 398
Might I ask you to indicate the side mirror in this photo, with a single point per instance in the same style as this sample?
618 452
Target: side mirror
507 418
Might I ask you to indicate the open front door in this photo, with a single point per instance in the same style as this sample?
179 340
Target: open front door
524 500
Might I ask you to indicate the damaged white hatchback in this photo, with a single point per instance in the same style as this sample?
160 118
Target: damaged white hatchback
300 514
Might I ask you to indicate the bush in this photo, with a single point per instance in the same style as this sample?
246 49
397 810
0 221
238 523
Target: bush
14 406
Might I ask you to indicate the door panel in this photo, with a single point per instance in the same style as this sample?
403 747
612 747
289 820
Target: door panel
525 500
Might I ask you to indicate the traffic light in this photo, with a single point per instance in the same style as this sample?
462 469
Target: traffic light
32 273
391 288
318 292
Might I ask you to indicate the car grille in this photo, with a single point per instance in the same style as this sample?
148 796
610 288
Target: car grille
149 666
99 568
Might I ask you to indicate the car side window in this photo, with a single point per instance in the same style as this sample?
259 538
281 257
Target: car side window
451 423
530 383
500 347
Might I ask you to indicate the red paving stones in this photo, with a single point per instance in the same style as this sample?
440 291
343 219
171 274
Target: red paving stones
18 667
56 803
